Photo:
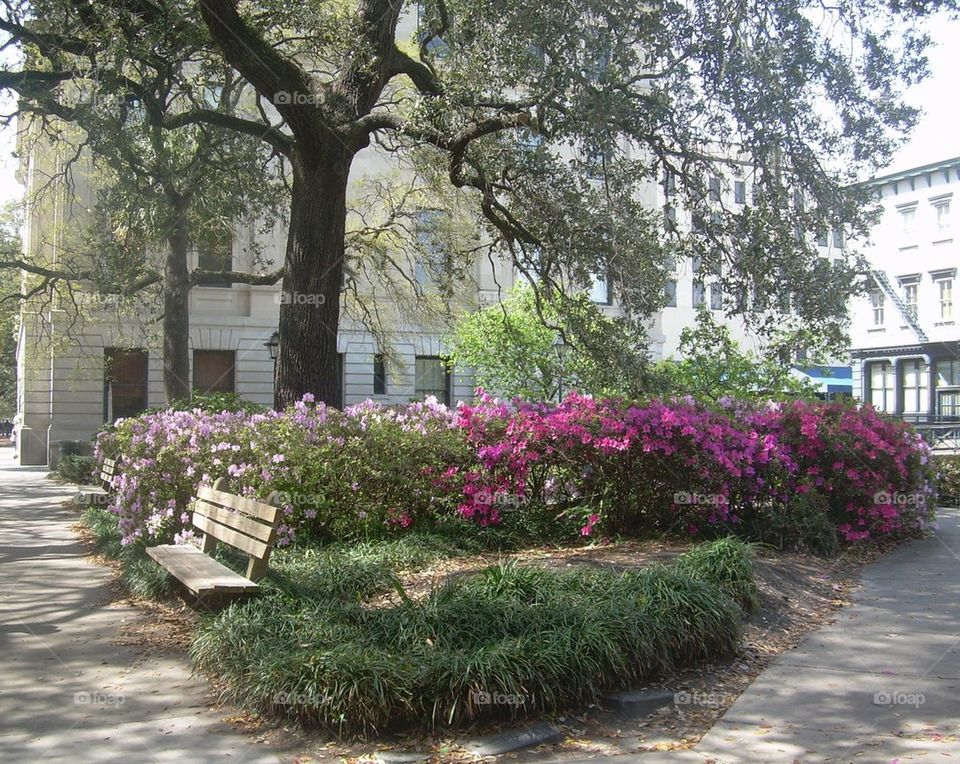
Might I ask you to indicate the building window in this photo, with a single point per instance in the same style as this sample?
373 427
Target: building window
435 45
739 192
215 253
822 239
948 373
837 238
908 219
600 289
671 289
124 383
716 297
877 301
669 183
714 189
670 213
915 386
379 375
432 378
432 264
910 293
948 388
941 208
945 287
881 386
214 371
697 294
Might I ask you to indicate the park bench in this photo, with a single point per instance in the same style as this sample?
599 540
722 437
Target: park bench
244 524
100 494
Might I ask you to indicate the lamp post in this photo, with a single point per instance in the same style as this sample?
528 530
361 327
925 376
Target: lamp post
560 348
273 347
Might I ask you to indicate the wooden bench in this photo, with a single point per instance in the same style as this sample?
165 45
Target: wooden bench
244 524
99 495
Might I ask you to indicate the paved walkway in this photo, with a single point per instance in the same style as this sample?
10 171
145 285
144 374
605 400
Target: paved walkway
881 684
68 693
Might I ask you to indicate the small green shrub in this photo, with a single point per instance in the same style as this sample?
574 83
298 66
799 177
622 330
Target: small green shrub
102 524
948 480
77 468
727 563
217 402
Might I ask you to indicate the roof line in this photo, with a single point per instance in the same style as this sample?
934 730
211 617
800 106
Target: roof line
920 170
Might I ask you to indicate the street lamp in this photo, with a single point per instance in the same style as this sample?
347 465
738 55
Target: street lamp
273 347
560 348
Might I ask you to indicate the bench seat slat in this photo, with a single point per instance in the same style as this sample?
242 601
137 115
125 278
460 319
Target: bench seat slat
198 572
253 547
234 519
108 471
265 512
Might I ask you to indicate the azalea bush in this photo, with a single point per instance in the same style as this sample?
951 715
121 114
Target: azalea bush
334 474
792 473
680 466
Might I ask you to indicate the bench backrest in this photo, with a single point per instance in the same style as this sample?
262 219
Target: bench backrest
244 524
107 470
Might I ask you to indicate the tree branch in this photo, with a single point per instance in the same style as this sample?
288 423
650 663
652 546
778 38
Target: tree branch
236 277
272 135
421 75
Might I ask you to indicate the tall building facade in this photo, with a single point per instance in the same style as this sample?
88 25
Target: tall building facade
905 340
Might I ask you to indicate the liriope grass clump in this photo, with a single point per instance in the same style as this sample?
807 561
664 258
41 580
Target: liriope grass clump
507 642
728 563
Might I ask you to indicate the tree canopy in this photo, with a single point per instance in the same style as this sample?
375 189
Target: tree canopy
556 122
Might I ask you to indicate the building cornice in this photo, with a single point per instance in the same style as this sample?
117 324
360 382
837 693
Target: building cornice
935 348
914 172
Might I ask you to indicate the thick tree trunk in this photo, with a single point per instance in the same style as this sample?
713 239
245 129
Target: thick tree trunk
176 307
310 308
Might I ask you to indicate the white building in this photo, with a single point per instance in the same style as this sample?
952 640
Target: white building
904 336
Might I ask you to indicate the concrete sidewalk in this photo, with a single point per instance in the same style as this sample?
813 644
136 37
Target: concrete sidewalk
68 693
880 684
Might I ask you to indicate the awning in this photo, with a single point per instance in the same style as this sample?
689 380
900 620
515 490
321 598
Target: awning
828 379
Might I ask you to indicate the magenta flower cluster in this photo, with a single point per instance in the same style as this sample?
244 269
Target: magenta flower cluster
593 466
671 465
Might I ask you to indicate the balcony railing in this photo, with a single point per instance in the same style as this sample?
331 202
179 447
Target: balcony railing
941 431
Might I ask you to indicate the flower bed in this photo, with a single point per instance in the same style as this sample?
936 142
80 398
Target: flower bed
795 473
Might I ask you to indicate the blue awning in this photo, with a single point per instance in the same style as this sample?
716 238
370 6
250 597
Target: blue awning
830 379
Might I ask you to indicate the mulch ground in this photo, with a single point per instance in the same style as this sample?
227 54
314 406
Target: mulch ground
799 593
